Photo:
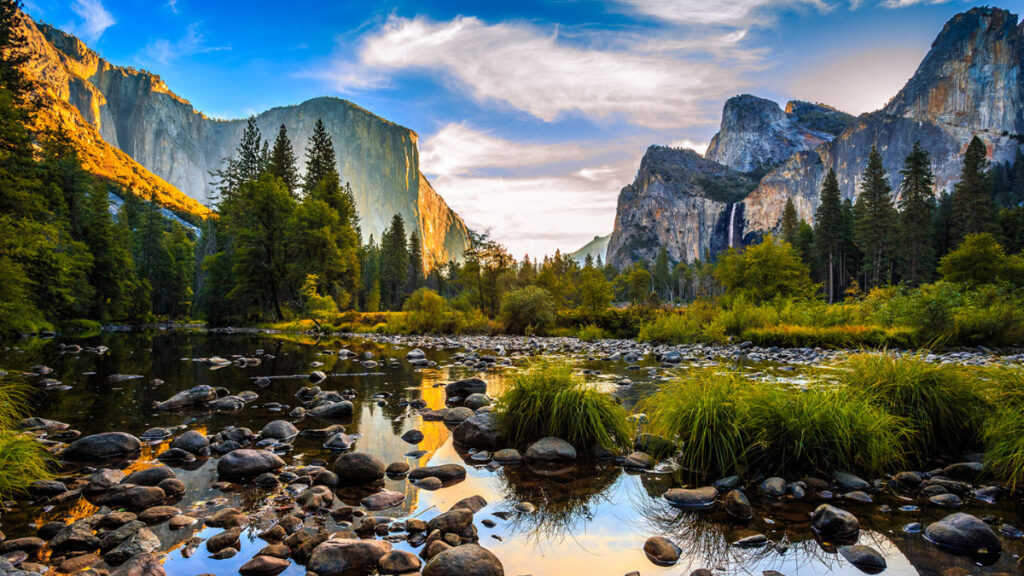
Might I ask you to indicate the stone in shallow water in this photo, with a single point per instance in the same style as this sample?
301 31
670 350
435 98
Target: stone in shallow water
832 522
343 557
551 449
866 558
382 500
357 469
662 551
246 462
737 505
695 498
399 562
465 560
102 446
947 500
964 533
264 566
774 487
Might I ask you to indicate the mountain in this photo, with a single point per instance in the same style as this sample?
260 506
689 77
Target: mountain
596 248
134 111
970 83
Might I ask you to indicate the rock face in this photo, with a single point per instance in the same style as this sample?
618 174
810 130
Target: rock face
757 134
969 84
137 114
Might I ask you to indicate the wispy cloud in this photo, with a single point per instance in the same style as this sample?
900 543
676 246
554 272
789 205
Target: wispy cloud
532 69
191 43
95 19
460 150
698 147
730 13
173 5
907 3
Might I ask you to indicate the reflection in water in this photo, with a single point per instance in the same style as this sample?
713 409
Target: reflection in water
590 518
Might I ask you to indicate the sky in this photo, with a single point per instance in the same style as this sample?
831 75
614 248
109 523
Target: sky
532 115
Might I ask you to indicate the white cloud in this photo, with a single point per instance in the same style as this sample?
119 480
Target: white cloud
191 43
535 71
173 5
459 150
731 13
698 147
95 20
906 3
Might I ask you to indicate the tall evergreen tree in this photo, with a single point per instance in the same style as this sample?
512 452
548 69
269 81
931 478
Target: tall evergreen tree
917 218
415 260
790 223
828 235
875 225
249 162
320 159
973 208
394 264
662 276
282 161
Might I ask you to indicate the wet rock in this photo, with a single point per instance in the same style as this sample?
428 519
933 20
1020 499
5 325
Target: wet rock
317 377
275 533
139 497
964 471
116 537
858 497
102 446
172 486
737 505
176 456
507 456
357 469
752 541
279 429
342 409
141 565
434 548
227 518
696 498
662 551
264 566
466 387
551 449
347 557
246 462
28 545
158 514
397 469
413 436
226 539
476 401
465 560
908 480
141 542
340 442
457 415
382 500
866 558
77 537
50 529
399 562
473 503
774 487
728 483
104 479
832 522
638 461
76 563
46 488
478 431
947 500
850 483
181 521
444 472
195 396
36 423
429 483
149 476
227 404
964 533
315 498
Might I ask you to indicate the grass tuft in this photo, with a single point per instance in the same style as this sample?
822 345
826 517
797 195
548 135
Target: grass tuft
1004 430
548 399
22 459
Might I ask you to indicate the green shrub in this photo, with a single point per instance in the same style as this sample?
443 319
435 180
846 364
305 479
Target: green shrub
527 310
22 459
944 404
854 336
550 400
590 333
695 323
616 322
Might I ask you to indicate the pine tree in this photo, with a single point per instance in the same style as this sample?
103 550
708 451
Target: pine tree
973 209
789 224
828 235
917 207
249 162
875 225
662 277
943 225
394 264
17 175
415 260
320 159
282 161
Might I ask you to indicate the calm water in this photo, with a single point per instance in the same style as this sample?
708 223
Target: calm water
591 519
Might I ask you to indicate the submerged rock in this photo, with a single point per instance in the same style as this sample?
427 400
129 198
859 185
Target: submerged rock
964 533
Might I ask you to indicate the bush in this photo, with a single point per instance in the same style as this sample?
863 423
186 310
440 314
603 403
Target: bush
549 400
943 403
830 336
22 459
590 333
527 310
726 424
695 323
766 271
427 312
979 259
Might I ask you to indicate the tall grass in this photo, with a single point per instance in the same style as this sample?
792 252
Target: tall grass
548 399
944 404
727 424
22 459
1004 430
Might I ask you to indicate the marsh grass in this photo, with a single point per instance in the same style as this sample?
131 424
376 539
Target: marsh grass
944 404
727 424
1004 429
22 459
548 399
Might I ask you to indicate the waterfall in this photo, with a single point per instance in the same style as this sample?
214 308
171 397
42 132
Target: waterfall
732 222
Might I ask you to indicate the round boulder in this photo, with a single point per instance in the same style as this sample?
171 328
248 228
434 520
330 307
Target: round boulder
478 431
280 430
346 557
551 449
696 498
465 560
832 522
964 533
358 468
246 462
662 551
102 446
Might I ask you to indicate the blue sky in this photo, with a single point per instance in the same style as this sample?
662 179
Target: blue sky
531 115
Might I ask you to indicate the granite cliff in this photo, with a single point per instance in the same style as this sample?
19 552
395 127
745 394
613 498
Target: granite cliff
133 111
970 83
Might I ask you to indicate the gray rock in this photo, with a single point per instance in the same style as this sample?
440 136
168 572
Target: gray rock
864 557
696 498
774 487
264 565
195 396
465 560
455 520
399 562
737 505
444 472
315 498
476 401
662 551
832 522
357 469
964 533
457 415
331 410
245 462
478 431
102 446
141 565
227 539
279 429
347 557
551 449
850 483
507 456
382 500
141 542
466 387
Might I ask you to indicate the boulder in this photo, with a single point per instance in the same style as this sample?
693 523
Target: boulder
102 446
382 500
465 560
737 505
413 436
662 551
347 557
476 401
774 487
478 431
227 539
195 396
466 387
141 542
507 456
264 565
315 498
551 449
245 462
850 483
358 468
832 522
866 558
457 415
399 562
964 533
455 520
696 498
280 430
141 565
331 410
149 476
444 472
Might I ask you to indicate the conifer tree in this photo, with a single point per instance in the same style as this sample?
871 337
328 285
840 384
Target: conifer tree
875 224
917 207
973 209
790 223
828 235
662 276
320 159
415 260
394 264
249 162
282 161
